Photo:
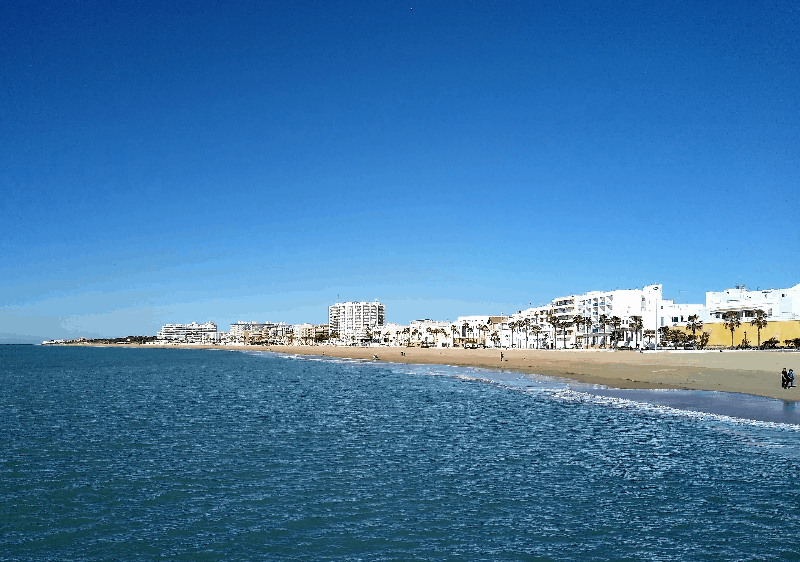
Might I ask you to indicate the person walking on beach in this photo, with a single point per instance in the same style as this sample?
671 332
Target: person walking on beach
784 378
501 356
790 379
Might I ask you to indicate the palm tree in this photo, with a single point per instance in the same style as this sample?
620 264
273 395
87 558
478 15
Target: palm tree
536 330
760 321
585 322
496 339
512 326
545 335
665 335
694 324
649 334
603 321
636 326
553 320
615 322
566 323
524 324
731 323
483 328
454 330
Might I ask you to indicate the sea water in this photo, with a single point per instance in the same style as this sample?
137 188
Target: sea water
168 454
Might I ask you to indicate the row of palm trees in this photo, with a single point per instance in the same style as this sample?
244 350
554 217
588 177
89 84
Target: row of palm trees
561 324
731 322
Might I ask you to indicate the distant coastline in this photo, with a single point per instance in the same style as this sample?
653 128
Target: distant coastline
748 372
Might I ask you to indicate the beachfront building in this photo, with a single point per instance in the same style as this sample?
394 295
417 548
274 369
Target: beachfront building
281 333
777 304
303 334
429 333
592 319
677 314
250 332
472 331
242 327
351 321
390 334
189 333
321 332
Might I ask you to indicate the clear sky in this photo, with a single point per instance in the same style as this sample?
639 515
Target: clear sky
257 161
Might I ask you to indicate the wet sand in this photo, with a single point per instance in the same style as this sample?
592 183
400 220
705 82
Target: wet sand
749 372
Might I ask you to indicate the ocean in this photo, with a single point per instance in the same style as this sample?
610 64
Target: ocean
171 454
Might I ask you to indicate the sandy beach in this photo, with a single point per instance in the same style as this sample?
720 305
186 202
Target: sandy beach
748 372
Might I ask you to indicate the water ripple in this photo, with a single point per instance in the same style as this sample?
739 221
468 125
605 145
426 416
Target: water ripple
152 454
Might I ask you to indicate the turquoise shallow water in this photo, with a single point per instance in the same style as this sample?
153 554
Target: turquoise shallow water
209 455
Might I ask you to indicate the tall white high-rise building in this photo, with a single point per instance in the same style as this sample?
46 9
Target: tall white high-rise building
353 319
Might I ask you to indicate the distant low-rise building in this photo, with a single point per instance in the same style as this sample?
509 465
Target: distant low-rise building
189 333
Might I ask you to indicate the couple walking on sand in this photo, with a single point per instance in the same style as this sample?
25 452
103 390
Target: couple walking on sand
787 379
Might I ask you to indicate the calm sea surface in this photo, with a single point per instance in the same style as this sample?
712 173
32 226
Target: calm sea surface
151 454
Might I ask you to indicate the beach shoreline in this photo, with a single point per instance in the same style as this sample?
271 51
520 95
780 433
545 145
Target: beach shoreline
755 373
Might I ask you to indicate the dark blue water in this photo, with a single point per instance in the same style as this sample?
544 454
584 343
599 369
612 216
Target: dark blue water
211 455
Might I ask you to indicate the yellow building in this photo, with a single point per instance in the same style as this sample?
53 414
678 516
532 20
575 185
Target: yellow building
721 336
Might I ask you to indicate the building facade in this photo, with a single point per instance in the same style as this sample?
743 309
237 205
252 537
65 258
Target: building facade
777 304
189 333
352 320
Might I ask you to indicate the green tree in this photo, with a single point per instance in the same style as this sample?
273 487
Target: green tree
553 320
649 335
636 326
731 323
760 321
603 320
536 330
665 332
694 324
581 322
525 325
615 322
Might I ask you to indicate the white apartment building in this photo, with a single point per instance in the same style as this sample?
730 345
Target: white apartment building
390 334
777 304
352 320
674 314
304 334
189 333
241 327
473 331
530 328
430 333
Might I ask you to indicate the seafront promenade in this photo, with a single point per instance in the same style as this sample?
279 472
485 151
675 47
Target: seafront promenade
748 372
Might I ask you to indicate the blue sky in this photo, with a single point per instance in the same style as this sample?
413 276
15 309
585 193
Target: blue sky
166 163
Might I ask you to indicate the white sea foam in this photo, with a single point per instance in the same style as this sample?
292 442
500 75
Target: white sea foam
549 388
